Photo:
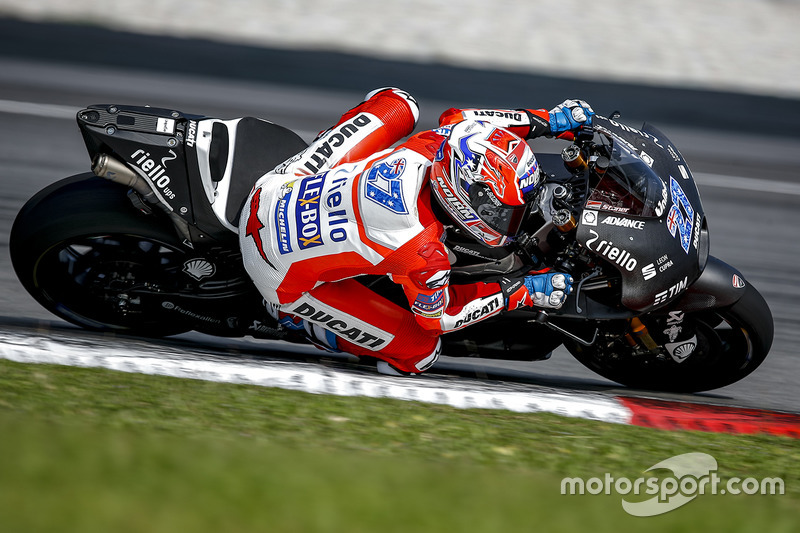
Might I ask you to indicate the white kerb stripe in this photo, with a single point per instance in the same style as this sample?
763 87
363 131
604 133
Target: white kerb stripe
307 377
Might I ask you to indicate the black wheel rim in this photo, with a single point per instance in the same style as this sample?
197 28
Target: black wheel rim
720 339
111 281
724 353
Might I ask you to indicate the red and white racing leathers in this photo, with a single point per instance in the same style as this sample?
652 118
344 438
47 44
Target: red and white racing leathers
350 205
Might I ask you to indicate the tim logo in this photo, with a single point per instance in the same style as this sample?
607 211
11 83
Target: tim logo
384 186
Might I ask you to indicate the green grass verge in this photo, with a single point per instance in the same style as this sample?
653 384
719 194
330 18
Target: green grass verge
95 450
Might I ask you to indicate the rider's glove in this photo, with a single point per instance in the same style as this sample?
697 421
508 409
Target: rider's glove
570 115
549 290
541 290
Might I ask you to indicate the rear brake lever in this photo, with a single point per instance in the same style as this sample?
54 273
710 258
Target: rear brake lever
543 318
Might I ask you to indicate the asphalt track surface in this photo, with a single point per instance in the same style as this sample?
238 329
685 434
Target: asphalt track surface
744 151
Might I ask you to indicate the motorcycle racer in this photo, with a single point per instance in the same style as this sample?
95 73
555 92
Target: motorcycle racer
351 205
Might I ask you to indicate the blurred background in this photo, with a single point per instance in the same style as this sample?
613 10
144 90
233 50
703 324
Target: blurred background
719 65
740 45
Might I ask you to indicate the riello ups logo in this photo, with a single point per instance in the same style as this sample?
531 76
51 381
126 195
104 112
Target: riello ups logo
613 253
157 172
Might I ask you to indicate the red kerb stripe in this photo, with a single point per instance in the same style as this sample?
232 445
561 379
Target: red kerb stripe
664 414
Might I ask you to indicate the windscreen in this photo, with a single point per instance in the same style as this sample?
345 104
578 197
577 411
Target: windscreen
629 186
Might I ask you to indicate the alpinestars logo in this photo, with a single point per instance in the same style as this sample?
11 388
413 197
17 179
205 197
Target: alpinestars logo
254 225
439 279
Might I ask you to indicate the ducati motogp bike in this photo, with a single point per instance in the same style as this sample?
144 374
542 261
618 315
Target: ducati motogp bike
146 244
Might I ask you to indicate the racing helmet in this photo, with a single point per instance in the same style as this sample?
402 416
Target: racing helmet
483 176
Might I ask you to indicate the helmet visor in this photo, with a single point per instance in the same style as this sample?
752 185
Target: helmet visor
505 219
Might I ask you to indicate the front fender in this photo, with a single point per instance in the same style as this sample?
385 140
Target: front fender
720 285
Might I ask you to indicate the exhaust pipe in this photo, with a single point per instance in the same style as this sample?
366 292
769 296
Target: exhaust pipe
114 170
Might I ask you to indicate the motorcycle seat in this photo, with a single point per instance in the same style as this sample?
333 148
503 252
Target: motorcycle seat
259 146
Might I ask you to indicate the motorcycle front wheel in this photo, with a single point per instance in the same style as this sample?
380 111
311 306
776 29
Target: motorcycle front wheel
729 343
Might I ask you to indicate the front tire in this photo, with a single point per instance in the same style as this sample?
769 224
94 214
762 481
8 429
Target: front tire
731 343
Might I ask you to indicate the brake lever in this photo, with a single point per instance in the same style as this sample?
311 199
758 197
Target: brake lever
585 135
594 274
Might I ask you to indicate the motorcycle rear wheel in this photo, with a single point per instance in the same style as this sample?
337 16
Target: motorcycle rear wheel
731 343
86 255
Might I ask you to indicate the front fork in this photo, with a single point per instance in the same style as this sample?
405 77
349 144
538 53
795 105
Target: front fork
678 340
640 336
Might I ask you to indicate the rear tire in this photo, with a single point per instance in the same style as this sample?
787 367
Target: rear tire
85 253
731 343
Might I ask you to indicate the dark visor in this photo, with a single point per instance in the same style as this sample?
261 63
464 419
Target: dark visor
502 218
